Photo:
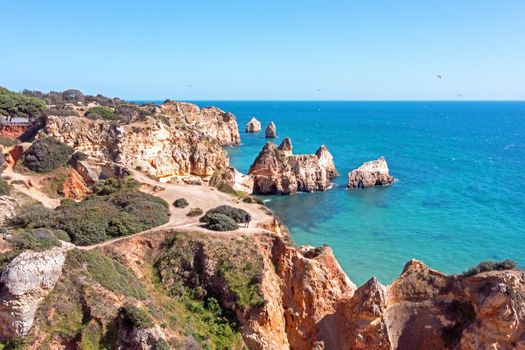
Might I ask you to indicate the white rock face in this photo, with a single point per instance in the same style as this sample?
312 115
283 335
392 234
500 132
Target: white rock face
370 174
25 281
253 125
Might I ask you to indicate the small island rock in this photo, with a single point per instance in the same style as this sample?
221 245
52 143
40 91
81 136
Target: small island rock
370 174
253 125
271 131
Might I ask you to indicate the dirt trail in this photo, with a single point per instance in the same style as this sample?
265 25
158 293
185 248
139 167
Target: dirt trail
24 184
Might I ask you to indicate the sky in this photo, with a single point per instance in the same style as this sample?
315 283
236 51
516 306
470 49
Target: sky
267 50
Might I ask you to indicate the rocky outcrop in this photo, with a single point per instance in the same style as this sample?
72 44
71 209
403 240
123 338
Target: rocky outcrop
74 187
370 174
278 170
12 131
208 122
7 208
25 281
253 125
161 150
140 338
271 131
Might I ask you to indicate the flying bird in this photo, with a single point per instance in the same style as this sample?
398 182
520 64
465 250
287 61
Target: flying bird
459 95
189 85
439 77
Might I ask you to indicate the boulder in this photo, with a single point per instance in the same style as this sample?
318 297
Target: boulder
253 125
271 131
370 174
276 170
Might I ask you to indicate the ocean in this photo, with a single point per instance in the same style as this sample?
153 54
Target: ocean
459 194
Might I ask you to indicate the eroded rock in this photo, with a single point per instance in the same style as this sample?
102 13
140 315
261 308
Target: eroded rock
271 131
370 174
253 125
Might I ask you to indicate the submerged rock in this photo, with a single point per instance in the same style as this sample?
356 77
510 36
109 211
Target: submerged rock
370 174
271 131
278 170
253 125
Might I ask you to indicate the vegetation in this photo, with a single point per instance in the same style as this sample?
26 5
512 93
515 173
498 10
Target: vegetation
134 317
38 240
109 273
97 218
102 112
195 212
46 155
236 214
7 142
113 185
15 105
5 188
491 266
181 203
220 222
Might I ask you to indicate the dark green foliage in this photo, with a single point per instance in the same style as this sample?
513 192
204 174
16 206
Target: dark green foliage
491 266
162 345
46 155
14 105
194 212
38 240
220 222
98 218
238 215
133 317
181 203
224 187
108 272
102 112
7 142
112 185
5 188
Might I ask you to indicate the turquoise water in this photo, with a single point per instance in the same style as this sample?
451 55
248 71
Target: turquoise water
459 196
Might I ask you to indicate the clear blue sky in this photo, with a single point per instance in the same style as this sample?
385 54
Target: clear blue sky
351 50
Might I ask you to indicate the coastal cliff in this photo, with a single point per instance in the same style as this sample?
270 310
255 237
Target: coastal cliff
278 170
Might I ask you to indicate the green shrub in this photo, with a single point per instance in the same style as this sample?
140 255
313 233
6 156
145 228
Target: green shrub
133 317
113 185
491 266
102 112
162 345
15 105
107 272
236 214
224 187
5 188
194 212
181 203
98 218
38 240
7 142
46 155
220 222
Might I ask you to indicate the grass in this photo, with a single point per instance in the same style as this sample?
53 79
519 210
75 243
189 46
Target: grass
195 212
7 142
108 273
54 182
5 188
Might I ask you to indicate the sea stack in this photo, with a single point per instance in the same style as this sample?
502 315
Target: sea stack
276 170
253 126
271 131
370 174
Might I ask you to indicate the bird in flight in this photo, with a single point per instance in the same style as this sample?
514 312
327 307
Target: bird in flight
189 85
439 76
459 95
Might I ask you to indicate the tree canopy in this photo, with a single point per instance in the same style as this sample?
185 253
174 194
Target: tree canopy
15 105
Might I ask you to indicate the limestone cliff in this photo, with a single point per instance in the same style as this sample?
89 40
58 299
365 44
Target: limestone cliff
179 140
278 170
370 174
253 125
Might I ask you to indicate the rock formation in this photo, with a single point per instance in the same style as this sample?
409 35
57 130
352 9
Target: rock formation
253 125
278 170
74 187
182 140
25 281
370 174
271 131
12 131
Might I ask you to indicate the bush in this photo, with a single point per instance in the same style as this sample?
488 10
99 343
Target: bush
236 214
102 112
15 105
98 218
112 185
133 317
484 266
220 222
7 142
46 155
195 212
5 188
38 240
181 203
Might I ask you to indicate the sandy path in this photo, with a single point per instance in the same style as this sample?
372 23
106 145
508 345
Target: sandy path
28 189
